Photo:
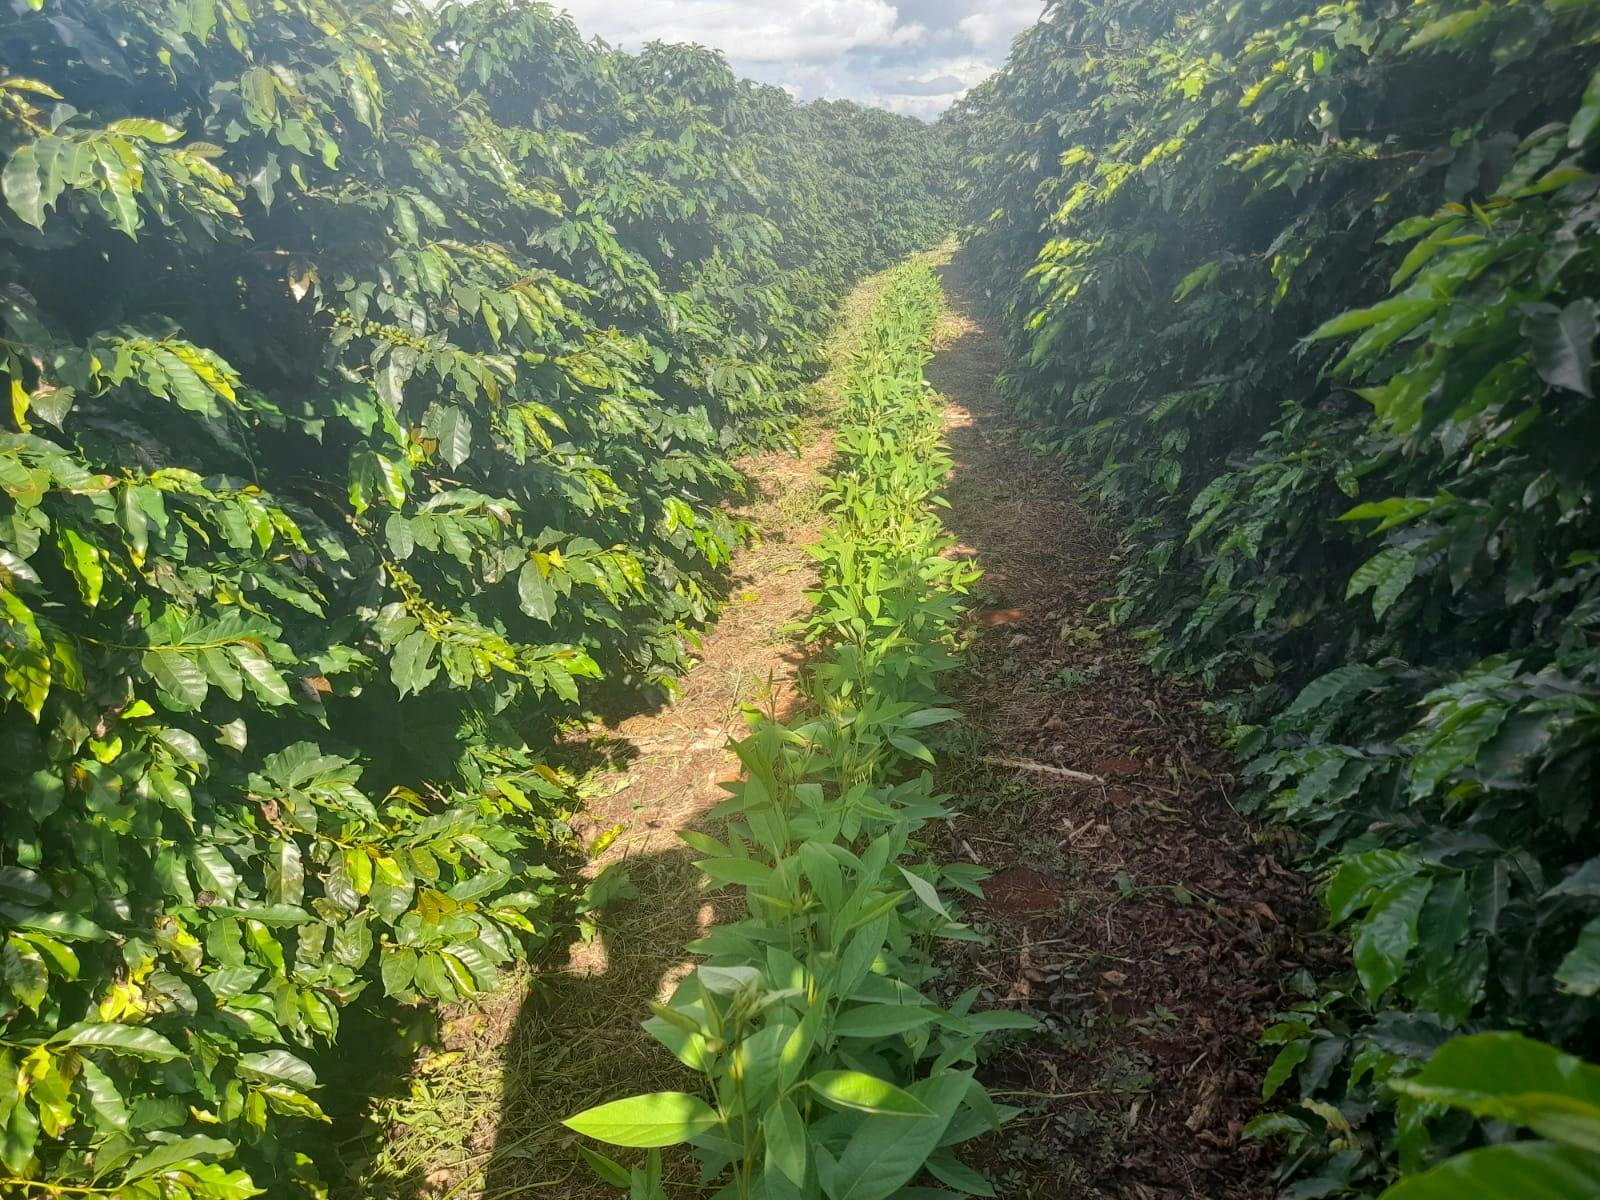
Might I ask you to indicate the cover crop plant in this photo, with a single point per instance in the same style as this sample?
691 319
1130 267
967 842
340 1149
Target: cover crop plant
374 374
831 1072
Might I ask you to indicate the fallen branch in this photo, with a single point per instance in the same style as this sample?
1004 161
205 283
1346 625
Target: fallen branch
1045 769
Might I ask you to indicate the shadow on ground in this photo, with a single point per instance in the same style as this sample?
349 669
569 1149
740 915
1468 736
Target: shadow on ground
1149 928
577 1041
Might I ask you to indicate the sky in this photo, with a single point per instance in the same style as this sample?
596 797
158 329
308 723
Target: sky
911 56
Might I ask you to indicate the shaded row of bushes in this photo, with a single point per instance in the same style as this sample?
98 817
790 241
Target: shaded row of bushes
1310 295
375 374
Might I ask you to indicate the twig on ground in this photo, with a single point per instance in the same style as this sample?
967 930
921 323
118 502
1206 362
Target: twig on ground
1044 768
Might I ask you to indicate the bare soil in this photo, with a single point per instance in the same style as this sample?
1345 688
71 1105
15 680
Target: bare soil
1147 925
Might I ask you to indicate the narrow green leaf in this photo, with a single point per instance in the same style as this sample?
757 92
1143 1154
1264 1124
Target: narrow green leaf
608 1169
925 892
743 871
654 1119
785 1134
866 1093
881 1020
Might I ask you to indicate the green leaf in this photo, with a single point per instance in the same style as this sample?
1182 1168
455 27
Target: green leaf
1587 119
535 594
1386 936
398 533
453 429
926 892
608 1169
104 1098
922 718
392 480
1283 1067
67 963
1498 1172
1450 28
992 1020
784 1132
1563 344
655 1119
727 981
264 680
866 1093
881 1020
23 186
278 1066
743 871
221 672
145 130
25 974
1386 574
1579 972
83 560
884 1153
411 666
948 1169
215 872
133 1040
1391 512
182 682
1363 318
182 1150
286 873
399 967
18 1137
1513 1078
911 748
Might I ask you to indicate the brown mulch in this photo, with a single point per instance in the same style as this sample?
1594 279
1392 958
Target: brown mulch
1149 927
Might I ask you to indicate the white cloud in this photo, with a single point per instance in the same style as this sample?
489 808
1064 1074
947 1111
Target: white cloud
935 88
909 56
925 108
994 25
808 31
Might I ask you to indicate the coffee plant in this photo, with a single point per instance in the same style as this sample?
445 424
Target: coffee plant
375 374
1309 293
830 1072
1509 1078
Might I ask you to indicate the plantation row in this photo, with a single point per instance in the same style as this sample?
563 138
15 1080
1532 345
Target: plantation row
375 376
1311 295
832 1074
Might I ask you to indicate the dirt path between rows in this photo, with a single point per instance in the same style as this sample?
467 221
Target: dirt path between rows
1147 926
